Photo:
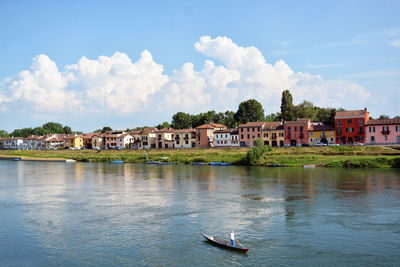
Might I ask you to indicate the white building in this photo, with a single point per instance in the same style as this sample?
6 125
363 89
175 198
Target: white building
226 138
13 143
185 138
33 142
124 140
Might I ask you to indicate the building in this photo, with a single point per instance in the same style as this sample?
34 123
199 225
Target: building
350 126
87 140
250 131
74 141
13 143
185 138
124 140
319 133
33 142
273 134
165 138
55 141
97 141
148 138
205 134
296 132
137 139
226 138
382 132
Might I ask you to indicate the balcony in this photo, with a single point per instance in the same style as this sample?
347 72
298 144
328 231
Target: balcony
386 132
301 136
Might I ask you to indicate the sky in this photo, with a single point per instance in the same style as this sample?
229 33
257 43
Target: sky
124 64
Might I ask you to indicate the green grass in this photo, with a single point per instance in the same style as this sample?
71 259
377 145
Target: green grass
342 156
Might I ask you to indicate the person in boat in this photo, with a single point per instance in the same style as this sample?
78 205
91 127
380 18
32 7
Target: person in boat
232 239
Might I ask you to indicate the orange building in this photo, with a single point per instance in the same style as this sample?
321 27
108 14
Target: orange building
250 131
205 134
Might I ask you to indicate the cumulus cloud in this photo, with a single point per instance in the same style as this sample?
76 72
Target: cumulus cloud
116 84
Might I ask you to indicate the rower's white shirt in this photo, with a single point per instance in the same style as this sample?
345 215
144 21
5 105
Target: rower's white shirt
232 236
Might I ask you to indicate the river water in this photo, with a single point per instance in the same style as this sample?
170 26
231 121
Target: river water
103 214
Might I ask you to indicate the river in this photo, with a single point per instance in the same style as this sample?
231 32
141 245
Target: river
102 214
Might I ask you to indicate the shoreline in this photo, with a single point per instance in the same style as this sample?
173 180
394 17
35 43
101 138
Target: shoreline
348 157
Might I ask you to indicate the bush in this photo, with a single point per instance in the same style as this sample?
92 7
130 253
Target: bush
254 155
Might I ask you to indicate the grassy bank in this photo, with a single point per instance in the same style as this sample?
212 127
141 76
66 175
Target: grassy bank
341 156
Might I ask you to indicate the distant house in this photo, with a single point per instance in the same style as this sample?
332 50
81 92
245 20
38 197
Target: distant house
185 138
97 141
226 138
249 132
148 138
350 126
33 142
205 134
124 140
296 132
74 141
385 131
87 139
137 139
319 133
13 143
273 134
1 143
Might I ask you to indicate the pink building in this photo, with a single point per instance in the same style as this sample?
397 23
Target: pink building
296 132
386 131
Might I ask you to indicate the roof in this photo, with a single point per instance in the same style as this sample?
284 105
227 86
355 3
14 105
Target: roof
166 130
135 132
315 128
217 125
299 121
88 135
205 126
148 130
253 124
184 131
223 131
351 114
272 125
383 121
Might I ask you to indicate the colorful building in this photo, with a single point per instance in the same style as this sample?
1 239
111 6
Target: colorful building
148 136
250 131
73 141
273 134
185 138
296 132
205 134
350 126
319 133
165 138
382 132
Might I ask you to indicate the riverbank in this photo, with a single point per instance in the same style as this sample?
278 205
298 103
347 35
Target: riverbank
340 156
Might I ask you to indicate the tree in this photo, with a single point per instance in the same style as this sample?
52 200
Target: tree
382 117
287 108
40 131
273 117
97 131
181 120
229 119
163 125
67 130
106 129
250 110
254 155
3 134
53 127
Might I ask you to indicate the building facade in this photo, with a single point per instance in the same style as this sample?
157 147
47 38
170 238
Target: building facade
296 132
185 138
226 138
273 134
249 132
382 132
205 134
165 138
319 133
350 126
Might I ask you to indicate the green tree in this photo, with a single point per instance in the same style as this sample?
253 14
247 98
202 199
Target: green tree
163 125
273 117
3 134
250 110
287 108
229 119
53 127
106 129
382 117
97 131
67 130
40 131
181 120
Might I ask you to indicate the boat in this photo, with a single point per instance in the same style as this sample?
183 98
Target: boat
16 159
117 161
151 162
225 243
200 163
165 163
220 164
309 166
70 160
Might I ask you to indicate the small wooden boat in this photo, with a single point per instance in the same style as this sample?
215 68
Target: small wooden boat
70 160
309 166
225 243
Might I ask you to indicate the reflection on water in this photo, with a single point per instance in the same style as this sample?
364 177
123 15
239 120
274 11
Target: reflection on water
107 214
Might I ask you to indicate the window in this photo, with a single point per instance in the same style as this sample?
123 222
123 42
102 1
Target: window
265 135
258 135
311 134
371 129
241 136
338 123
241 129
397 128
311 139
372 138
360 122
248 136
339 131
301 128
280 134
248 129
386 138
288 128
349 121
385 128
295 128
252 129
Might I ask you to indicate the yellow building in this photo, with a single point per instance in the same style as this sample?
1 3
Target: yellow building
321 134
273 134
74 142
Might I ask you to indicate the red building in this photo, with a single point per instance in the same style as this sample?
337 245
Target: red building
350 126
296 132
249 132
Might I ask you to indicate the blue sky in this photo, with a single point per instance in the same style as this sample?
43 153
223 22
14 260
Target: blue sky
341 53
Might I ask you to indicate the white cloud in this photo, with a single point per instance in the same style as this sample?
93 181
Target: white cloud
116 84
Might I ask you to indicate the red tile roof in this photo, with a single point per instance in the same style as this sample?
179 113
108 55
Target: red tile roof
351 114
299 121
253 124
166 130
383 121
184 131
315 128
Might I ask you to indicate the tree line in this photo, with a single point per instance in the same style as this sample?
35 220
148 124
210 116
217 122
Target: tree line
47 128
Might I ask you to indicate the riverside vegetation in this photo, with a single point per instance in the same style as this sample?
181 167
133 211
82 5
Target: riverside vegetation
335 156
